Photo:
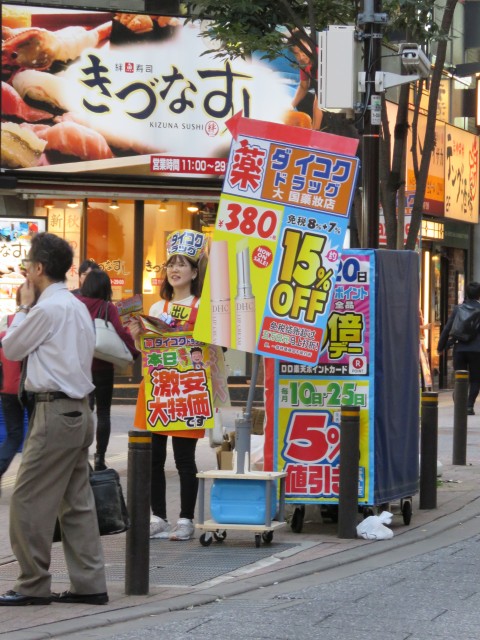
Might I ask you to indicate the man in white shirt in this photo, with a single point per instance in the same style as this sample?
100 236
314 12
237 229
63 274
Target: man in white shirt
54 330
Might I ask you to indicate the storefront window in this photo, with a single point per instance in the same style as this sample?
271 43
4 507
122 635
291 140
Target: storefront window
160 220
110 242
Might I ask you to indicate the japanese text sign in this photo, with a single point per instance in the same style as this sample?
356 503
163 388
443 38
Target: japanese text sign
280 229
303 403
178 387
145 95
461 174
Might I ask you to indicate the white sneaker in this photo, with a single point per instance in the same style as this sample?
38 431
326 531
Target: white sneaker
184 530
159 526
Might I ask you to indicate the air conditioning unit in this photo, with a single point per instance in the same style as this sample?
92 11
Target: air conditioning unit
339 61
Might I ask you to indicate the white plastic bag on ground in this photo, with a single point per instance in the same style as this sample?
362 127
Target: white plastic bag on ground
373 527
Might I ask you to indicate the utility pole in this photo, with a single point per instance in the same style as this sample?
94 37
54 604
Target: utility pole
372 19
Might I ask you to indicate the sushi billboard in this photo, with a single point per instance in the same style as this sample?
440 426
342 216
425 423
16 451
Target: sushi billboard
126 94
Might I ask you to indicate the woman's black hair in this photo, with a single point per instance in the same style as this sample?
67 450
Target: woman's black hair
97 285
86 265
166 289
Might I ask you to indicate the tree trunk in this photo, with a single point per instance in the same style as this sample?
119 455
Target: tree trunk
421 179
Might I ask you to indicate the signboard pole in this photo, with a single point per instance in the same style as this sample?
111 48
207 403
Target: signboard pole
243 426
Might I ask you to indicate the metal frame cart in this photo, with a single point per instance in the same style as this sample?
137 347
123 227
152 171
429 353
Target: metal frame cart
370 359
214 530
263 531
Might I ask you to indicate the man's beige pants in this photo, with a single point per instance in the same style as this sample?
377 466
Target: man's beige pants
53 480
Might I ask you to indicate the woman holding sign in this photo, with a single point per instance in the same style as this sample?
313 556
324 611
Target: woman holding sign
180 296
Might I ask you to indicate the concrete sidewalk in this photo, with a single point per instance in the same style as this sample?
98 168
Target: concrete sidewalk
179 575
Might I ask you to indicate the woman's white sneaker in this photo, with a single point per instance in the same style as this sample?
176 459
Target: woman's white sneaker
184 530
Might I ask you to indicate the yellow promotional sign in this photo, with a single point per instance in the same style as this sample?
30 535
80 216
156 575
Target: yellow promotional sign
178 386
279 232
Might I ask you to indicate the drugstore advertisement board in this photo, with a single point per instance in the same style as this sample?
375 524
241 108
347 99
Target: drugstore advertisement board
279 233
303 403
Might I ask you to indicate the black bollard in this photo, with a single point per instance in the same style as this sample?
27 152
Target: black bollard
428 451
349 458
460 399
137 552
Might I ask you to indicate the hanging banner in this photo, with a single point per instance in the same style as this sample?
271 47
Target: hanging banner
279 232
178 387
461 175
303 403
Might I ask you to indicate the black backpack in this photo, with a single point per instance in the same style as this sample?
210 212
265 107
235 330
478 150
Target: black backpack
466 324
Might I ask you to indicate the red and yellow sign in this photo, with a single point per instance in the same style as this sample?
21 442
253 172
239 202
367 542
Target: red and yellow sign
178 387
279 233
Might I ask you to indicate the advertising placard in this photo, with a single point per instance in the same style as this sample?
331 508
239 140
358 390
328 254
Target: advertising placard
15 238
279 233
303 403
178 387
461 174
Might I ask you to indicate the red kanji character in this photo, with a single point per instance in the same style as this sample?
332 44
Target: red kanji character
192 381
247 166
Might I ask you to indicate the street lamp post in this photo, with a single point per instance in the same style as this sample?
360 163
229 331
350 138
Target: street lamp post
372 19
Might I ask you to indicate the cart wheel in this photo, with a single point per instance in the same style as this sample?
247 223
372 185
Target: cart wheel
406 511
219 537
206 539
297 519
267 536
258 539
367 511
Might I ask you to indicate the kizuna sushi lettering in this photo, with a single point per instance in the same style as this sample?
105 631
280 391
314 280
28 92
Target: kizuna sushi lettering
96 77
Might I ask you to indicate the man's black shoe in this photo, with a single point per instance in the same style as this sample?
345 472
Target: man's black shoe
15 599
80 598
470 411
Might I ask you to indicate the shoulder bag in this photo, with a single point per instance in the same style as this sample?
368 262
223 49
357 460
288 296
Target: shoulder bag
108 344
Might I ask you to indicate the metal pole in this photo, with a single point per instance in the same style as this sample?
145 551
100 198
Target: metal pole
243 426
460 398
428 451
137 551
349 459
372 18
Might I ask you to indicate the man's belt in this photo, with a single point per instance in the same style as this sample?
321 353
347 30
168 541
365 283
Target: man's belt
50 396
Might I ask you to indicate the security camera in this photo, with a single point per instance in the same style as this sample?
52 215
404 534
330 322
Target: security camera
414 61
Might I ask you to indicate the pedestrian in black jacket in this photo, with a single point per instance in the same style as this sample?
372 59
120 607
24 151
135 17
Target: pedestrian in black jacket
466 355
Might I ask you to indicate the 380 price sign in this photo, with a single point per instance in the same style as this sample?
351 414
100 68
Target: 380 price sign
248 219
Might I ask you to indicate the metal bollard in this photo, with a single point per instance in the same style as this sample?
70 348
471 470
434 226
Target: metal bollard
428 451
137 552
460 399
349 458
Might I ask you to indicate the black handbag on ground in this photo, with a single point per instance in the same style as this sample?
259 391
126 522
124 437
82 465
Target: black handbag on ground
112 511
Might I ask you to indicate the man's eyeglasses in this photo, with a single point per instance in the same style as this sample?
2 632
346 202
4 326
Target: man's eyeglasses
25 262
